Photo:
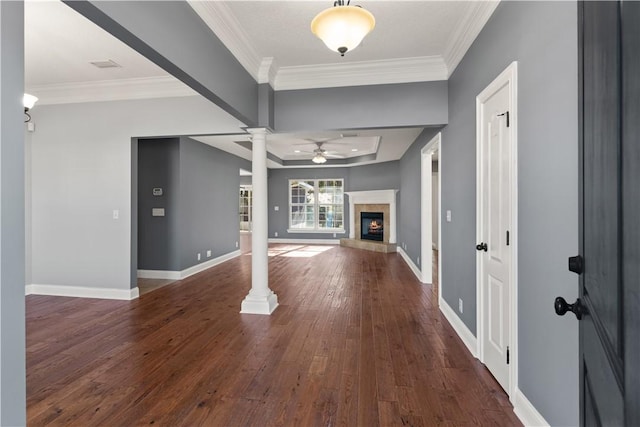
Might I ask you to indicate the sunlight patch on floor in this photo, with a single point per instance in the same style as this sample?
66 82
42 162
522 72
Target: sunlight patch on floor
306 251
296 251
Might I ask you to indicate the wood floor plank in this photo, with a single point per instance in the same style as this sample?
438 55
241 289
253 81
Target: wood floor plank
356 341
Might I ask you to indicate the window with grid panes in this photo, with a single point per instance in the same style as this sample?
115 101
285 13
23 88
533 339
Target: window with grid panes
316 204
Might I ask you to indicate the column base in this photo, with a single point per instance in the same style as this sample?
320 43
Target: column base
259 305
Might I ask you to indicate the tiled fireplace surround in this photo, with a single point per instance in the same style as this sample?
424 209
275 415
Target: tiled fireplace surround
372 201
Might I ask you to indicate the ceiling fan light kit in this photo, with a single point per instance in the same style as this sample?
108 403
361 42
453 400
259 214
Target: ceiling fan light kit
343 27
319 158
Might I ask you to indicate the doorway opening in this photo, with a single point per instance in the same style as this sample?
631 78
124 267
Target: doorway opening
430 210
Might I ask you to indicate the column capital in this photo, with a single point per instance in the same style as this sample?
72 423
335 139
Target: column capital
258 131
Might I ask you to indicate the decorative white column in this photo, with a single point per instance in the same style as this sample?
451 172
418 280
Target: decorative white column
261 299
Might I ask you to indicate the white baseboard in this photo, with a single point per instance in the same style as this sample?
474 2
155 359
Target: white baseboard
180 275
82 292
458 325
410 263
306 241
526 412
158 274
208 264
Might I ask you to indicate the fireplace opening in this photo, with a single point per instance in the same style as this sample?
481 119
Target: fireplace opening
372 224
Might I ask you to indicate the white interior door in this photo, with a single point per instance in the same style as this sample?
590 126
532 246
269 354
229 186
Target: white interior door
495 215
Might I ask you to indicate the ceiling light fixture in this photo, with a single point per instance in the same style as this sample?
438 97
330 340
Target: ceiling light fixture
342 27
319 158
28 101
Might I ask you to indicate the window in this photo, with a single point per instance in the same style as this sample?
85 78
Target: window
316 205
246 207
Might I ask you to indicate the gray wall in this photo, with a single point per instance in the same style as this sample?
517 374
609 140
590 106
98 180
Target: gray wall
381 176
79 178
172 35
409 218
12 214
542 37
209 184
391 105
200 185
158 167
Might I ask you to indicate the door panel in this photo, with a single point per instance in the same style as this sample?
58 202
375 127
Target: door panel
496 304
496 214
610 202
602 167
630 17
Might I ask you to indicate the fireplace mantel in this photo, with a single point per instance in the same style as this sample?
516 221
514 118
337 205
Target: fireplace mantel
371 198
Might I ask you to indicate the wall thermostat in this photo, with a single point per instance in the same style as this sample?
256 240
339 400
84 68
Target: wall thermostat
157 191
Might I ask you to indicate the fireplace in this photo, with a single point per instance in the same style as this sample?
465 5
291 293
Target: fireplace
372 224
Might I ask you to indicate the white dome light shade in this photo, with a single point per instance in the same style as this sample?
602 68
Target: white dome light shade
342 28
319 158
29 101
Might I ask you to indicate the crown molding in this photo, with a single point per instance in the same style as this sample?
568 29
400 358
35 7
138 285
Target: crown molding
268 71
111 90
224 24
403 70
466 32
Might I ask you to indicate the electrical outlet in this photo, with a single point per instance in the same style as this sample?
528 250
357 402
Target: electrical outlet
116 214
275 234
236 244
208 254
448 216
460 305
418 260
334 235
199 256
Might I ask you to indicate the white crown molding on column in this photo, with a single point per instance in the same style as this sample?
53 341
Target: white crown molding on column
111 90
387 71
221 20
467 30
268 71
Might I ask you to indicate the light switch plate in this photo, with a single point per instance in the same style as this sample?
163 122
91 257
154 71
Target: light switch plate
157 211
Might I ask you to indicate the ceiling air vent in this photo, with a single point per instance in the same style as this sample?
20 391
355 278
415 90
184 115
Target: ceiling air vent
107 63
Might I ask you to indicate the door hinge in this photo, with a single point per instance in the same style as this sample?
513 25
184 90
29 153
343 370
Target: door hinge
507 355
506 113
507 237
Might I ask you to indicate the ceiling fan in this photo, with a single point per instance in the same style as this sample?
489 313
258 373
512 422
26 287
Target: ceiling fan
320 154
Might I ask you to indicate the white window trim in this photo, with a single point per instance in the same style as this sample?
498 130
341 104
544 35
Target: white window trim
315 230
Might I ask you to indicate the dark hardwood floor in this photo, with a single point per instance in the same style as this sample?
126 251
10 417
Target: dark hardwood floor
356 341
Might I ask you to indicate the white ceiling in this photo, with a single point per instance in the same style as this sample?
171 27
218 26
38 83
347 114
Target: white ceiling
404 29
412 41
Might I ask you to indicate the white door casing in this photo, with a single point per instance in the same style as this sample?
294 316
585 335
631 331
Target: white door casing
426 208
496 225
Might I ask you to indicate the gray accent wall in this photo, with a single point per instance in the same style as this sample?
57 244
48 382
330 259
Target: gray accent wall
200 196
12 216
209 186
390 105
542 37
409 209
173 36
380 176
158 167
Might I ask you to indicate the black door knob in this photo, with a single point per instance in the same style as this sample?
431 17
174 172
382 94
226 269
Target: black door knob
482 247
562 307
